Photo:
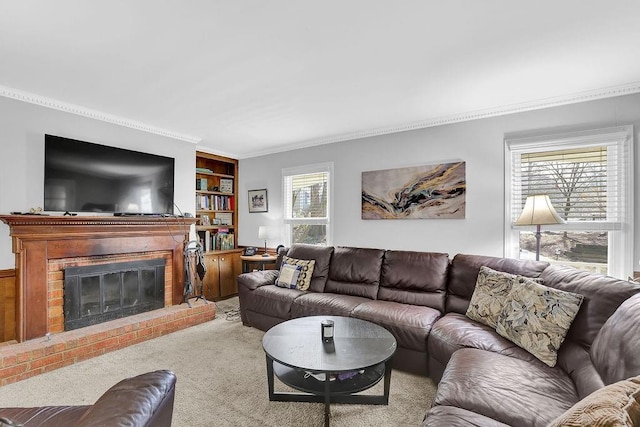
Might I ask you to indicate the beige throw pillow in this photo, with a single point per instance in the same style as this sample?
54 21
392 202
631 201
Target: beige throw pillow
292 266
537 318
616 405
490 295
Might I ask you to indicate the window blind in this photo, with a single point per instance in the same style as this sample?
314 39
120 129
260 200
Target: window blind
307 203
306 195
588 176
585 181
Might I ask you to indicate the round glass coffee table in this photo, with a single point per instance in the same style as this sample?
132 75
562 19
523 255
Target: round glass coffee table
357 358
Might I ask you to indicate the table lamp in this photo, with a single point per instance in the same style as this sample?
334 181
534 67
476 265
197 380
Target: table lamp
538 211
263 234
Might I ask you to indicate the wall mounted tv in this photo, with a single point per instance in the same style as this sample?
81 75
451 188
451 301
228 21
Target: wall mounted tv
86 177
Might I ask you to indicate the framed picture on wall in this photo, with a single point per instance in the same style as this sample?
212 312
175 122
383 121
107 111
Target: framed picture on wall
258 201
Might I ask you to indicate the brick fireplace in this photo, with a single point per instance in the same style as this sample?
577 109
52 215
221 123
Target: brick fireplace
46 245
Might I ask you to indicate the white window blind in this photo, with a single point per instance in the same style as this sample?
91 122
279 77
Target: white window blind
589 179
307 203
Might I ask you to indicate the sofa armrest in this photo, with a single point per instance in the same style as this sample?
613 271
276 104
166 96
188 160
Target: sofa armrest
255 279
144 400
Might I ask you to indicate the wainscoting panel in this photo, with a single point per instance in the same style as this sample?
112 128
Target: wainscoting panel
7 305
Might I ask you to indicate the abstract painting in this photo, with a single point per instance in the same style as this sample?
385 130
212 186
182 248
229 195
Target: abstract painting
431 191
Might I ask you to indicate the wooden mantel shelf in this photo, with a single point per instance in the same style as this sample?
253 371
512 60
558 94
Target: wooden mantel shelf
38 238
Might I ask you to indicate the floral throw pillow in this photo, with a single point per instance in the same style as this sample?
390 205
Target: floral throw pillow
490 295
537 318
616 405
300 268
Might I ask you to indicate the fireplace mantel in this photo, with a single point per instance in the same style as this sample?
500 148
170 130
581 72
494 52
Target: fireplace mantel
36 239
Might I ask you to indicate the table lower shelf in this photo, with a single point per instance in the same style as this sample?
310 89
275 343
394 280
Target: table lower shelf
300 380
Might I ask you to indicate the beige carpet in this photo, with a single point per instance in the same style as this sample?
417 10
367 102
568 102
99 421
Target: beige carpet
221 371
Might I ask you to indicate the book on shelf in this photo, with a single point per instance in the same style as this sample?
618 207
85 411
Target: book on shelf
204 170
222 240
203 202
215 202
204 236
226 185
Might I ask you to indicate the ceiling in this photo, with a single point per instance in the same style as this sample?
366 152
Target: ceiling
250 77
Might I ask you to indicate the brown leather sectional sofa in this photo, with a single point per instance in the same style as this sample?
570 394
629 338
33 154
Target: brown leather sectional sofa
422 297
142 401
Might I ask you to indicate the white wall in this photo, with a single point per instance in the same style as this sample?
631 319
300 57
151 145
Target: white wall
22 129
480 143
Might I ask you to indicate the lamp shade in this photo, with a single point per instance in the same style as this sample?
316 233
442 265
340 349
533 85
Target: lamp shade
263 232
538 210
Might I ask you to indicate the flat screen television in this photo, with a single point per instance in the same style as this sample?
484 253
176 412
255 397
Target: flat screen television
86 177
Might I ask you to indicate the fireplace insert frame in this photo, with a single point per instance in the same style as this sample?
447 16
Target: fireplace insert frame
112 282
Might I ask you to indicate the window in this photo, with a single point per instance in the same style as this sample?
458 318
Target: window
307 204
589 178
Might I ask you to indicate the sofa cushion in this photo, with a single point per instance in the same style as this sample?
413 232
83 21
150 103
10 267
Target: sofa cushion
616 405
272 301
574 359
321 255
616 349
464 270
602 296
409 324
355 271
417 278
450 416
506 389
455 331
297 273
317 304
537 318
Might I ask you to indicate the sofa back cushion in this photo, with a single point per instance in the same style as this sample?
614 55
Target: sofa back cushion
616 349
602 296
355 271
418 278
464 270
322 256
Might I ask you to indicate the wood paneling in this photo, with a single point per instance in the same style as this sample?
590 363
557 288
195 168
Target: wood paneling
7 305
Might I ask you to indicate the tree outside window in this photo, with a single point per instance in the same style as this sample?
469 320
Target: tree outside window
587 178
307 212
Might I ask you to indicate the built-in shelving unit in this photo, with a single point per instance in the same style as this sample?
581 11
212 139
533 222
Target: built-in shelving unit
216 198
217 226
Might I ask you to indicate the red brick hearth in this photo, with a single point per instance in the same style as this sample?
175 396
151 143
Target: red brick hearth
19 361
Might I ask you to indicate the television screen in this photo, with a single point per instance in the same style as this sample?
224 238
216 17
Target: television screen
85 177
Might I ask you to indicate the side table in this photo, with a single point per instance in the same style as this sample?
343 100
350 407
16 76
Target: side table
256 259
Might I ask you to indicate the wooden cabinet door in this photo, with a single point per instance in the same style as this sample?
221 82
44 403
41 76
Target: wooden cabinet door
228 285
211 281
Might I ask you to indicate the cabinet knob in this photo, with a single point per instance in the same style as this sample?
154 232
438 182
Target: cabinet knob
221 259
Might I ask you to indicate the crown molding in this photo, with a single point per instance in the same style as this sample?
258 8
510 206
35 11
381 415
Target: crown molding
66 107
592 95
